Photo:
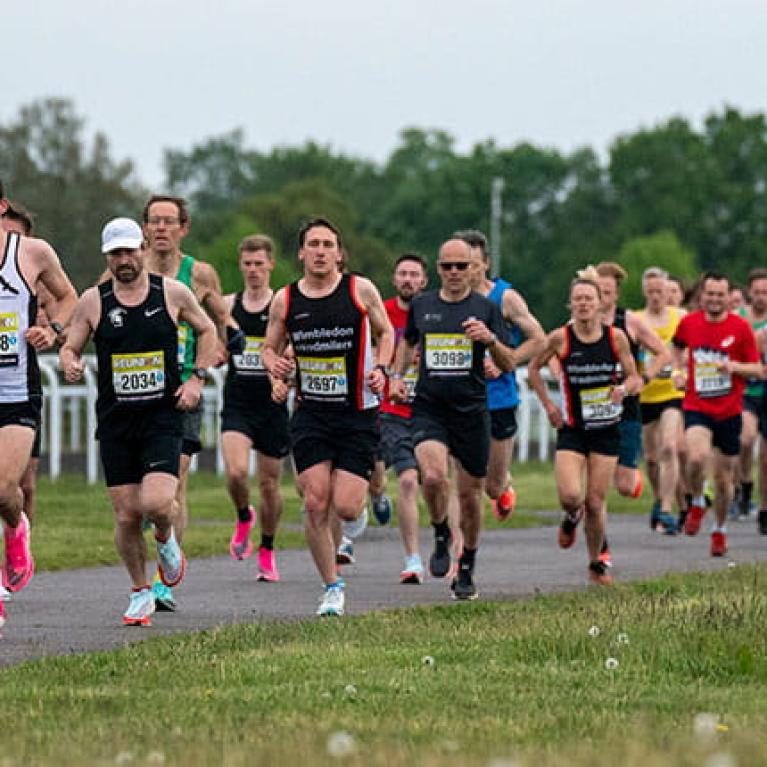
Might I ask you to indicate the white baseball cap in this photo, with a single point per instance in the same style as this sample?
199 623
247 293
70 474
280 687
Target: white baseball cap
121 233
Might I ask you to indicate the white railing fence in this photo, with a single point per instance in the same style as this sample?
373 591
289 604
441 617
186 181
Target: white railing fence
69 419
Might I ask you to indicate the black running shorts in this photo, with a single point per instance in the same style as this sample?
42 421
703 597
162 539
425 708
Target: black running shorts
586 441
265 425
397 445
503 423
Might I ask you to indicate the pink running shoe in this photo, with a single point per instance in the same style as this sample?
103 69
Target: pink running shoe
19 565
241 547
267 566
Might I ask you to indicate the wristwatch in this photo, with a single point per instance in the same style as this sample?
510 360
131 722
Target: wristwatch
383 369
201 373
58 328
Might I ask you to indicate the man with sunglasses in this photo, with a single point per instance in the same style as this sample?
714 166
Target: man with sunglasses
453 327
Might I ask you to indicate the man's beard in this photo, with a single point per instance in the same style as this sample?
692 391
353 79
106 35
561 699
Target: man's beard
126 274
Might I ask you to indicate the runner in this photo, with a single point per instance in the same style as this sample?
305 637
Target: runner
166 223
410 278
661 405
502 389
721 354
250 419
755 313
133 319
452 327
26 263
328 317
592 357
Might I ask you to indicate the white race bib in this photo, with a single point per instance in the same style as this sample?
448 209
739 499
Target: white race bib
597 409
138 376
9 339
183 333
710 382
323 376
250 361
448 352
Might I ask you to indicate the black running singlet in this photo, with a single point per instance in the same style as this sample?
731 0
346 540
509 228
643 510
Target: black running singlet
589 371
331 340
631 411
136 351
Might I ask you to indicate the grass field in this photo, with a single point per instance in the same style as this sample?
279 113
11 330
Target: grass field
74 520
669 672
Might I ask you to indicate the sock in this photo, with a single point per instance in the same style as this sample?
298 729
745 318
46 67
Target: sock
699 500
719 528
243 514
745 490
267 541
605 546
467 559
441 529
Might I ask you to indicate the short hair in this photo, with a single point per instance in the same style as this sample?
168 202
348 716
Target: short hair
179 202
473 238
254 242
318 221
611 269
17 212
412 257
654 273
760 273
716 276
587 276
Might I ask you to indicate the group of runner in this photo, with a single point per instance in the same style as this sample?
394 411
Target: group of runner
423 383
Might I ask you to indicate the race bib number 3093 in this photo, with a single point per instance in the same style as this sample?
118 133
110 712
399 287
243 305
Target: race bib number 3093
448 352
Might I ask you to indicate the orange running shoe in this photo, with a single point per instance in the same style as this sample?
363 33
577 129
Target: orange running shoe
503 506
598 574
639 486
718 544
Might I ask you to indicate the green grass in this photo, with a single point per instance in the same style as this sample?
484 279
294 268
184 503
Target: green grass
522 681
74 520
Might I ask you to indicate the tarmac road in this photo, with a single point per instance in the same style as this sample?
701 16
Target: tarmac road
79 611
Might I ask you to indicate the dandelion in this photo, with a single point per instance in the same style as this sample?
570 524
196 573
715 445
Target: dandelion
623 639
594 631
350 690
427 660
731 564
341 744
325 694
611 664
124 757
503 763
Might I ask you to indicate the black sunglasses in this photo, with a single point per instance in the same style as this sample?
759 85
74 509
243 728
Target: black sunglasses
448 266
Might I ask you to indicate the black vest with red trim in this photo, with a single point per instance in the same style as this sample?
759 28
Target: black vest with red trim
589 371
631 411
331 340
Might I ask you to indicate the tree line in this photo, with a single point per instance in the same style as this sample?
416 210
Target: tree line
684 197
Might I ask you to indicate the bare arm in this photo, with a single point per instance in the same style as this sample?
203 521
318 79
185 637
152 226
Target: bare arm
208 288
552 346
275 361
503 356
632 383
647 338
515 310
83 323
403 358
382 331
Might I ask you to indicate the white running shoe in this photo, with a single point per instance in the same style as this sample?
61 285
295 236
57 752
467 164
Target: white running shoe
140 609
332 602
171 562
355 528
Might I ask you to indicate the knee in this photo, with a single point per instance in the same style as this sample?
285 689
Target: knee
237 475
347 513
626 484
408 485
316 504
433 479
268 486
570 501
668 450
594 503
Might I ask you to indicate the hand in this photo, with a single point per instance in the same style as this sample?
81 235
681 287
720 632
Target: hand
726 366
554 415
235 341
376 380
280 390
617 394
189 393
40 338
492 371
222 357
73 371
679 379
397 390
476 330
283 367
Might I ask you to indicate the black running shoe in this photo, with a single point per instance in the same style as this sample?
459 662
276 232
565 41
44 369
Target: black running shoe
762 521
463 585
439 562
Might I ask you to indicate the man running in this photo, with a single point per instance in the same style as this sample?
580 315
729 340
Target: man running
133 319
328 318
593 357
502 389
25 264
166 223
721 354
251 420
661 405
452 327
410 278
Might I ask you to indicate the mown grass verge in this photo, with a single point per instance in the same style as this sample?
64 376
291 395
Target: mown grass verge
671 671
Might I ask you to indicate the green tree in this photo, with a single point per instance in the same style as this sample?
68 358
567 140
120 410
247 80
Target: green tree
73 186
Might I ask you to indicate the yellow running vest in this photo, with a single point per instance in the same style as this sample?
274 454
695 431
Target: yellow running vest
660 388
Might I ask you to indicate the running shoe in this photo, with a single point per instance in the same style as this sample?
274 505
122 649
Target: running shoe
439 562
681 519
241 547
746 509
733 510
140 609
2 616
332 602
605 555
356 527
762 521
503 506
568 528
654 515
267 566
5 595
718 544
345 552
667 523
381 509
19 564
463 586
413 570
598 574
693 519
639 486
164 599
171 562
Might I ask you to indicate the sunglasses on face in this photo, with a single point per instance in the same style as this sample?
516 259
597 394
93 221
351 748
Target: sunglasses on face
448 266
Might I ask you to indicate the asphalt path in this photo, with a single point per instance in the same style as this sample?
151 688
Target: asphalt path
78 611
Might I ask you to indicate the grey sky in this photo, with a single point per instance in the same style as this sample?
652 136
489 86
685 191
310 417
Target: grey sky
563 73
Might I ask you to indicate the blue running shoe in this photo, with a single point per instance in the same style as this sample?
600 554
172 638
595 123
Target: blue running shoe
655 515
381 509
332 602
165 601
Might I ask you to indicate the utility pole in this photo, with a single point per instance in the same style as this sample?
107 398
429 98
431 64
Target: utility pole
496 214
